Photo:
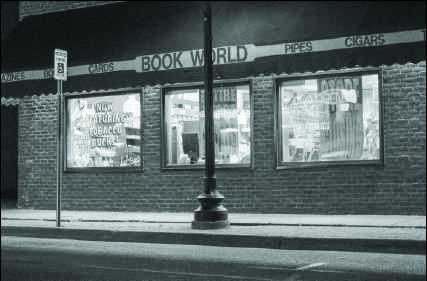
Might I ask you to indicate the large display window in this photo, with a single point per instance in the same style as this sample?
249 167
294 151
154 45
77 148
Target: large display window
104 131
329 119
184 126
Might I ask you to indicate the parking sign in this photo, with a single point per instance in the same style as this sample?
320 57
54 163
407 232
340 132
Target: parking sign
60 68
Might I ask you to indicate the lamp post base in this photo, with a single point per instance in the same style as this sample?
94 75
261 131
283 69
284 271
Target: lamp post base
210 224
211 214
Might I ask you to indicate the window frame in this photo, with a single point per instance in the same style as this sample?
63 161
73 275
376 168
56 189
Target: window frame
101 93
334 73
230 82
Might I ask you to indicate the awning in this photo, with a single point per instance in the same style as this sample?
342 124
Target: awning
273 37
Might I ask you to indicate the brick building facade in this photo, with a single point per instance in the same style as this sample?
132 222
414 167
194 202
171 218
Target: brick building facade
397 185
396 188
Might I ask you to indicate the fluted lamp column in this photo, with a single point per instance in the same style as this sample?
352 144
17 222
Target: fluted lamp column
211 214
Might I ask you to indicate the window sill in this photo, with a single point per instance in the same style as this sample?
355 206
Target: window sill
202 167
106 170
301 165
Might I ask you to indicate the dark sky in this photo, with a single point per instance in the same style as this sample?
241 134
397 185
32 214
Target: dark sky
9 17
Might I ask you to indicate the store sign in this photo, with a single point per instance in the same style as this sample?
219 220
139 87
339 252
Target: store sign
220 55
60 66
13 76
195 58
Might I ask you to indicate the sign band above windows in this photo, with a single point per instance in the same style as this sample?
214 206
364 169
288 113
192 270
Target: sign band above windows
224 55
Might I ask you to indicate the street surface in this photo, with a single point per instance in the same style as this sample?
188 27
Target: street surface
66 259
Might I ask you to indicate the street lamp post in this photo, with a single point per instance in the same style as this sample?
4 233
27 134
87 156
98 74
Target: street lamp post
211 214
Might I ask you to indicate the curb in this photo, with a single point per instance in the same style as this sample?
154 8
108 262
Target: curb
394 246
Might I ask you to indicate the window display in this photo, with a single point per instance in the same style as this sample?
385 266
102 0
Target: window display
184 126
329 119
104 131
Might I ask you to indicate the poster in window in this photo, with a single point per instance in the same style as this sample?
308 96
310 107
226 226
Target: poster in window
104 131
344 99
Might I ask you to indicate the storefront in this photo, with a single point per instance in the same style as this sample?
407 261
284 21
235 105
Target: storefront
319 107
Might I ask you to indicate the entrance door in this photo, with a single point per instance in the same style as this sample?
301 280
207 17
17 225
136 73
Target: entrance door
9 156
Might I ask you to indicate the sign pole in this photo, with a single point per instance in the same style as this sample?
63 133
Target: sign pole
59 157
60 74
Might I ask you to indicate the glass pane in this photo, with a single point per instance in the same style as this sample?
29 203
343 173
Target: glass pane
182 127
330 119
185 126
104 131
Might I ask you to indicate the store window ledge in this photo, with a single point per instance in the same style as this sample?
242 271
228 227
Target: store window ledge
103 170
374 163
202 167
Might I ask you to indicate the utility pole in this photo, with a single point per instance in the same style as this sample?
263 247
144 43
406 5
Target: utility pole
211 214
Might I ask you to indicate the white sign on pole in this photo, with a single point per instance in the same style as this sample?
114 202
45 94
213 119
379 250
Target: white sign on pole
60 67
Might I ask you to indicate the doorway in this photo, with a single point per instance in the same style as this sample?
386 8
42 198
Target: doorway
9 156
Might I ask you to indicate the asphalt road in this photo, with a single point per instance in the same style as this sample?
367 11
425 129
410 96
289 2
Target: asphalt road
64 259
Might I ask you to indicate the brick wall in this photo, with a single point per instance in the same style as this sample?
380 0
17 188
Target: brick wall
27 8
37 128
397 188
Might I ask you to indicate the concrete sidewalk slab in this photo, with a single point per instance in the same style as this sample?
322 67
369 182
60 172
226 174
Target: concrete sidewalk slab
394 234
316 232
235 218
291 239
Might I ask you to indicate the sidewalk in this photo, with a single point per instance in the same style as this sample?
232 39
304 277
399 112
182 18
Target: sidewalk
383 234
